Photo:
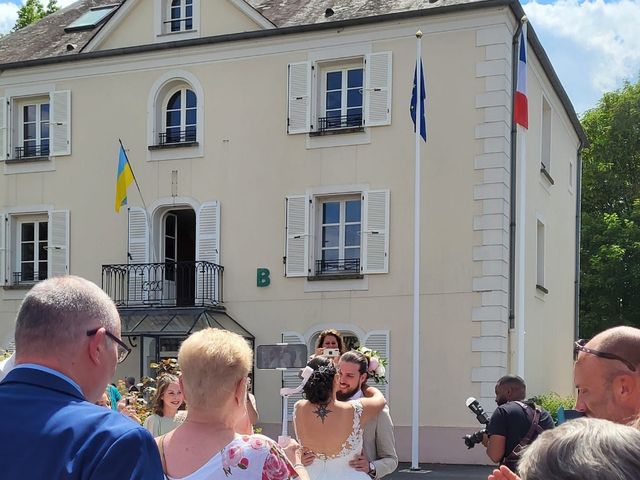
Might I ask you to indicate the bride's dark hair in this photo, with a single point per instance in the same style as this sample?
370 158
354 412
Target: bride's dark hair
319 387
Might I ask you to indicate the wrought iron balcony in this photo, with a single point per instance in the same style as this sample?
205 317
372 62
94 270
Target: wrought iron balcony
169 284
353 120
28 277
331 267
32 151
172 136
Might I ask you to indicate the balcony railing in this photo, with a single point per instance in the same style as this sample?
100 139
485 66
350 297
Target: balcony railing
177 136
32 151
353 120
28 277
169 284
330 267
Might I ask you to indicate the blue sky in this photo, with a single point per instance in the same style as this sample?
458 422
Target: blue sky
592 44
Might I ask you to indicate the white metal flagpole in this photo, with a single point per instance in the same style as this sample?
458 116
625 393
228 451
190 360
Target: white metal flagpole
415 416
521 253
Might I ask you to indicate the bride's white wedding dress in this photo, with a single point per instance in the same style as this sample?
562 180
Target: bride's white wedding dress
336 467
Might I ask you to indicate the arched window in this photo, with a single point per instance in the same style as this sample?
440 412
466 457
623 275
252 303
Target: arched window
180 117
181 15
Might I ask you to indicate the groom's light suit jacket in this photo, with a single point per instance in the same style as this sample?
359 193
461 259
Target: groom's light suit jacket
380 443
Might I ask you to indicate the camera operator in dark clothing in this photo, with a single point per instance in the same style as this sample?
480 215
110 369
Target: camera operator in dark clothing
514 424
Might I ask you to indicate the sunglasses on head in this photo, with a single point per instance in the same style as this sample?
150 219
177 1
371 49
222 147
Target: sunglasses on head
579 346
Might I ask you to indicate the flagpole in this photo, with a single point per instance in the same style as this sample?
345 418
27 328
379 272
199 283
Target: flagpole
521 317
153 251
415 417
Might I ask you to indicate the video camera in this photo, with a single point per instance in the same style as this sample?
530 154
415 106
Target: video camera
473 439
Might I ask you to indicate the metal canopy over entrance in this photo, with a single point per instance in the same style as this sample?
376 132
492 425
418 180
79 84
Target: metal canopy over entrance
160 331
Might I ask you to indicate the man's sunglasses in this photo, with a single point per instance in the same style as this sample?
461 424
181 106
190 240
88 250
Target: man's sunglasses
579 346
123 350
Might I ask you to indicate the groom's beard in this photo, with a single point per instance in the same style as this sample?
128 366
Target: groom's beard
346 396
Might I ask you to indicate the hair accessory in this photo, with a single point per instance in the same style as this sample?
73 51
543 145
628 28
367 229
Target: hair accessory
305 374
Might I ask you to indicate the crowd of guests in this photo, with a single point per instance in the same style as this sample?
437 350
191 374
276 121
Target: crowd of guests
68 345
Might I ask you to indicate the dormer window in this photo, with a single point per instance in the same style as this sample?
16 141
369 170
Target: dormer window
180 16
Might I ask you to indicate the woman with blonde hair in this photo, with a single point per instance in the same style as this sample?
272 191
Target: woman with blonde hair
166 403
215 365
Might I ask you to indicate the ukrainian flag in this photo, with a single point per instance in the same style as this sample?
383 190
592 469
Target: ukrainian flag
123 179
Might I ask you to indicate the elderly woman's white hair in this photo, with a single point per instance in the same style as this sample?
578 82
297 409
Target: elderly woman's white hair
584 449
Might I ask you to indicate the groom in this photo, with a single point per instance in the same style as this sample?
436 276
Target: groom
379 457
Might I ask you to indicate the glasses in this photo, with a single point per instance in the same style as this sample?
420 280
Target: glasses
123 350
579 346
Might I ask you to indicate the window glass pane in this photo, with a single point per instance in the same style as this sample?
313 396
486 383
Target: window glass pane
330 254
188 24
188 11
191 117
42 231
351 253
44 147
354 116
174 102
42 273
29 131
354 98
176 3
27 252
170 225
29 112
334 80
26 270
173 119
191 99
27 231
173 134
190 134
331 212
175 26
44 130
334 100
352 211
352 235
43 251
44 112
354 78
169 248
187 2
330 236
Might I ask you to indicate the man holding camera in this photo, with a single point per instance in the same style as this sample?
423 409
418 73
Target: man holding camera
514 424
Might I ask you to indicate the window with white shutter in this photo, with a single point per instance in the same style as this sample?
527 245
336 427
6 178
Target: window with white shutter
34 246
297 236
378 340
340 95
337 235
138 254
207 247
60 114
3 129
299 94
291 378
58 243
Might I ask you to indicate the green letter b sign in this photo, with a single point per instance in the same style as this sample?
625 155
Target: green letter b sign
263 279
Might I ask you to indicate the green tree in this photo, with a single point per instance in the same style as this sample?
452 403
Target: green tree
32 11
610 250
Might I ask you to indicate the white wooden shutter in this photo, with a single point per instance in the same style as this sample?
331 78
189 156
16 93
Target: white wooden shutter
4 226
375 232
377 89
297 224
4 121
58 238
207 248
138 254
299 94
378 340
291 378
60 109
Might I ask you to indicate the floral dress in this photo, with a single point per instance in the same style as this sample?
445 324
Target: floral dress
247 457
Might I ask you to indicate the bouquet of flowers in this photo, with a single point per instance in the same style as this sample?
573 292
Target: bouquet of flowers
377 365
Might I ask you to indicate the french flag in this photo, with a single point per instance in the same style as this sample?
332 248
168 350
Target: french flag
521 109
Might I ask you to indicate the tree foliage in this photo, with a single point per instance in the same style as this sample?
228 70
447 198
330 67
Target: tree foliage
610 250
32 11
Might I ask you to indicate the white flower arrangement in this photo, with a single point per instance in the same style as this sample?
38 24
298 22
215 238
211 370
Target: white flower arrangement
377 365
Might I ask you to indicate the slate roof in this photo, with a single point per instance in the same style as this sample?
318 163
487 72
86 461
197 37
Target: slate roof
47 37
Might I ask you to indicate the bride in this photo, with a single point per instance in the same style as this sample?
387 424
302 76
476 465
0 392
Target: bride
330 428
